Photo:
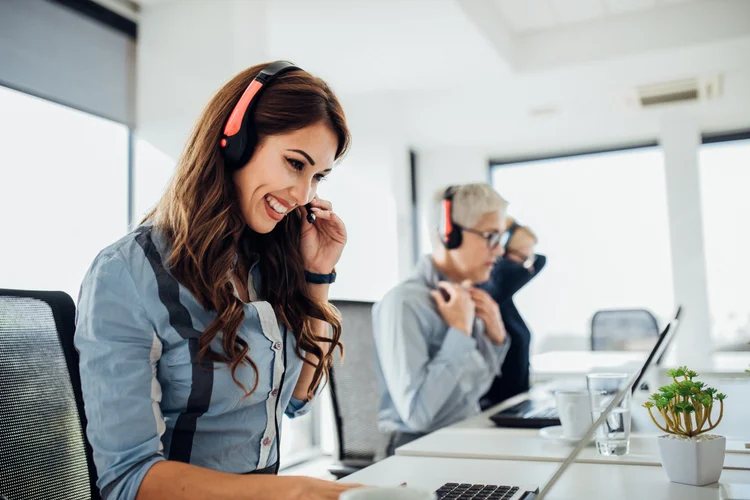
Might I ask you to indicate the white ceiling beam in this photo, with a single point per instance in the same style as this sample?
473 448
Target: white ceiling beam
630 34
491 25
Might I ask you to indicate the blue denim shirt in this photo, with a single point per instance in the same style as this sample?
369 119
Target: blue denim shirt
430 375
148 396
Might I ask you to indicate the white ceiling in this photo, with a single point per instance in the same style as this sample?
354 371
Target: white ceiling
527 16
473 72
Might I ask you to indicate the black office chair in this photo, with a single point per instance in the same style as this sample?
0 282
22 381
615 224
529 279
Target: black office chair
623 330
355 394
44 453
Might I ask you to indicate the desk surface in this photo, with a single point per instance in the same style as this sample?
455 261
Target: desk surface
734 425
580 481
478 437
555 364
509 444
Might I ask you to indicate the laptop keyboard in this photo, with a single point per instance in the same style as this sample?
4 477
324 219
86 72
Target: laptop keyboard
533 409
455 491
543 413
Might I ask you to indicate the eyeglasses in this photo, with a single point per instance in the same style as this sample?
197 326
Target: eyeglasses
493 238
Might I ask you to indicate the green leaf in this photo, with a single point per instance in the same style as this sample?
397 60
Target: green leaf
661 403
684 392
684 407
721 397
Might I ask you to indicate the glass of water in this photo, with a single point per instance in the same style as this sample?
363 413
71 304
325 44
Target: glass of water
613 436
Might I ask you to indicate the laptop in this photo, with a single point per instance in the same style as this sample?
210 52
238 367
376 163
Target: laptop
538 413
464 491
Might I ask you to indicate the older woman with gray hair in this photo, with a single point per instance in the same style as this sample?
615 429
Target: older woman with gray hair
440 341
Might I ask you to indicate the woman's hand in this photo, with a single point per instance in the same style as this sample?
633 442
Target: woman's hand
489 312
322 241
307 488
458 310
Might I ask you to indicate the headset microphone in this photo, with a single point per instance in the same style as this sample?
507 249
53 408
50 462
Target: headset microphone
310 215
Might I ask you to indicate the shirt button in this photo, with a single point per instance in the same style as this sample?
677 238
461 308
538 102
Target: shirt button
275 392
277 346
267 442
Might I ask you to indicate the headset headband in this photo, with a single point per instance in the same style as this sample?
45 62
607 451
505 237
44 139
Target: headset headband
240 137
451 234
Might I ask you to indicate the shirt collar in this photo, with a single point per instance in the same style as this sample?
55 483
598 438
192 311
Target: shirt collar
427 272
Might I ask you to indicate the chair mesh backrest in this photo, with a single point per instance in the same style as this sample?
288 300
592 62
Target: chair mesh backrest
623 330
354 386
42 448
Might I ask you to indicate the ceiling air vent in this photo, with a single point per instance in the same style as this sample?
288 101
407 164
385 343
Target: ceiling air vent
687 90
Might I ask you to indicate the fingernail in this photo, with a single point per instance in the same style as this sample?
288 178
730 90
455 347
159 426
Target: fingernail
316 209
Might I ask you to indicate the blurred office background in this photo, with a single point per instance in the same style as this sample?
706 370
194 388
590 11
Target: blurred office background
619 130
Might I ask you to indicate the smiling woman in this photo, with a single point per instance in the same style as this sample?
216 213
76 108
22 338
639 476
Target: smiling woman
208 323
284 174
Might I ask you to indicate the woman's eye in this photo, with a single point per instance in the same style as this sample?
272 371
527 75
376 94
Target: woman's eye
319 177
296 164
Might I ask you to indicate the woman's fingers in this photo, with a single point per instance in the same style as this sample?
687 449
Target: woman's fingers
319 203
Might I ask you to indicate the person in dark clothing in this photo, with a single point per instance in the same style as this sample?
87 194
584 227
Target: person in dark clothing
511 273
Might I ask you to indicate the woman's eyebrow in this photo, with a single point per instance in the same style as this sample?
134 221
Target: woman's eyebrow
307 156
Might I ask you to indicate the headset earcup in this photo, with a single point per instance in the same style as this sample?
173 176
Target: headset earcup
453 239
450 234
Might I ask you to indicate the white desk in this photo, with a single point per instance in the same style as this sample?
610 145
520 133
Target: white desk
560 364
510 444
580 481
478 438
734 425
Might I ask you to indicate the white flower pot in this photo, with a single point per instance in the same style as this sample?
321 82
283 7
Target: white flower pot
694 461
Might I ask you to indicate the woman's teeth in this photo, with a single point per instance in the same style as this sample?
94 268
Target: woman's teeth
277 207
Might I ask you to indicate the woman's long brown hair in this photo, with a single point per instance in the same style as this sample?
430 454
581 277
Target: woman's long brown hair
200 216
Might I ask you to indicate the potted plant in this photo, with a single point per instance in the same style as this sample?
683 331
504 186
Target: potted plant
685 412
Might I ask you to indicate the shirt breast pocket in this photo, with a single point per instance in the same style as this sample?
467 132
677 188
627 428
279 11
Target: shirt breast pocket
176 377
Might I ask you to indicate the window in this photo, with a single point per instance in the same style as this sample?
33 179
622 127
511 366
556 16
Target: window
602 222
725 177
63 191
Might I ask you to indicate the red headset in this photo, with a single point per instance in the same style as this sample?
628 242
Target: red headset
450 232
240 137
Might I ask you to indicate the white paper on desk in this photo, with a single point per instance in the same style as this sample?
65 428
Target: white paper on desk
734 491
